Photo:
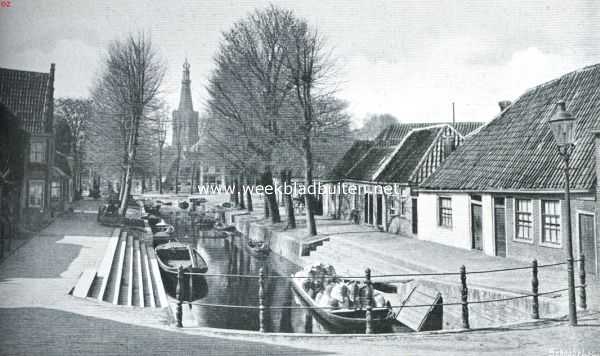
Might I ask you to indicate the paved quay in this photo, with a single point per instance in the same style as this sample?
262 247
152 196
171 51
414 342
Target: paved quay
38 317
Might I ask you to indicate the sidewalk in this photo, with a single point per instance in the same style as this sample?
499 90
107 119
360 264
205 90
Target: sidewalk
364 246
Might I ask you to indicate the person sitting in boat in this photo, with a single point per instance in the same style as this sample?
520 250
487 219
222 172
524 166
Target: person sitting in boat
325 299
340 293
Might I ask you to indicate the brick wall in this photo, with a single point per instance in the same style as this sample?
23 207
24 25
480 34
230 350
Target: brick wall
534 249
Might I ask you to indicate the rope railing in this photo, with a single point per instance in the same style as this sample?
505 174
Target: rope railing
368 306
432 274
496 300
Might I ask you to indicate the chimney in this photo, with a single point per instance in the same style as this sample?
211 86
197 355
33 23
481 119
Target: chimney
504 104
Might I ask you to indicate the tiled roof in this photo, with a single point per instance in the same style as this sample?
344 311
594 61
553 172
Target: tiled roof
386 145
517 152
355 153
393 134
408 156
26 94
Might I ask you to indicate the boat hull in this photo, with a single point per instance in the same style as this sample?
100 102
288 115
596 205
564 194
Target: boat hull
350 320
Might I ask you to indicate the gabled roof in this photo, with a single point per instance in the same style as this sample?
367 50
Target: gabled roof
409 155
29 95
397 151
517 152
356 151
394 134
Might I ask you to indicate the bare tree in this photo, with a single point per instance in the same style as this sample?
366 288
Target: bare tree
128 88
311 71
76 113
250 87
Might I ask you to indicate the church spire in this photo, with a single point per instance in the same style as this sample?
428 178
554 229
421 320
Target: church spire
185 99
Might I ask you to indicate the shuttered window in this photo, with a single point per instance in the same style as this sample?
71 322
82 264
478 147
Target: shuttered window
551 222
523 216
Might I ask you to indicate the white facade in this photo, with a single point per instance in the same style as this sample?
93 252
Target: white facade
460 234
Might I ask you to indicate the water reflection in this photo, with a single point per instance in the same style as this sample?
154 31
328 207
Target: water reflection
230 256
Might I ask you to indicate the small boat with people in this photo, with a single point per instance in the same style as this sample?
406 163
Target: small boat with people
340 302
174 254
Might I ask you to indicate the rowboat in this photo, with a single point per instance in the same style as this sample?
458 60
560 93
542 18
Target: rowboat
346 319
174 254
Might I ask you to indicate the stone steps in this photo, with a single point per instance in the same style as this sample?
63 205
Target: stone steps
128 275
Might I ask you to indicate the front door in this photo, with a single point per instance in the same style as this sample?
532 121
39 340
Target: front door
414 216
587 244
379 209
500 227
476 227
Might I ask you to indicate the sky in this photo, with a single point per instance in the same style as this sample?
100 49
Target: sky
411 59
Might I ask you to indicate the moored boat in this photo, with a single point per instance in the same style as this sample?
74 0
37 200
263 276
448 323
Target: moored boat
174 254
349 315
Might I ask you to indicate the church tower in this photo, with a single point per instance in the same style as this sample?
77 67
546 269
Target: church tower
185 119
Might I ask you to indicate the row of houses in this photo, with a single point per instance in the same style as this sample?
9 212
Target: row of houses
497 188
41 185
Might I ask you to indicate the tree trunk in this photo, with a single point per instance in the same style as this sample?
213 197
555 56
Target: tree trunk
271 197
241 192
286 179
160 187
308 198
236 193
177 173
248 194
192 179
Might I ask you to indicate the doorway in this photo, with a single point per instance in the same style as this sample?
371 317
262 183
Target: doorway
368 209
587 241
500 227
379 199
476 227
414 214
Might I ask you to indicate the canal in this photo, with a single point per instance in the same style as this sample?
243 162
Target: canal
229 256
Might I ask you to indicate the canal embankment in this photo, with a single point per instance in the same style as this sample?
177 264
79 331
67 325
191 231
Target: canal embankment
352 248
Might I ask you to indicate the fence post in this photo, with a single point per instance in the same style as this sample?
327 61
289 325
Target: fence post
464 297
261 300
179 296
582 293
535 312
368 315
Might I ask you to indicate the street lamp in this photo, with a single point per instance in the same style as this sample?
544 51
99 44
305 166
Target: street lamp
562 125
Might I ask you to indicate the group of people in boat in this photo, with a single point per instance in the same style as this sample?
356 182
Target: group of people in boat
327 290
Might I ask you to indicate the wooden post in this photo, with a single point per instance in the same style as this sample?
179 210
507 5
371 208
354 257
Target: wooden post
368 316
464 297
535 311
582 293
261 300
179 296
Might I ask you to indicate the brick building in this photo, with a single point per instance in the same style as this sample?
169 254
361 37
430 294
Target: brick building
29 96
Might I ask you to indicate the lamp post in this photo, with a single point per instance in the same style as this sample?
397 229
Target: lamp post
562 125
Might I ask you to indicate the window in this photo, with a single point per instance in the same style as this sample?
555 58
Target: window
36 193
38 152
445 211
55 191
403 207
551 222
392 206
523 213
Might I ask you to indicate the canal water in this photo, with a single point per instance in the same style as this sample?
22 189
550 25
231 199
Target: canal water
229 256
